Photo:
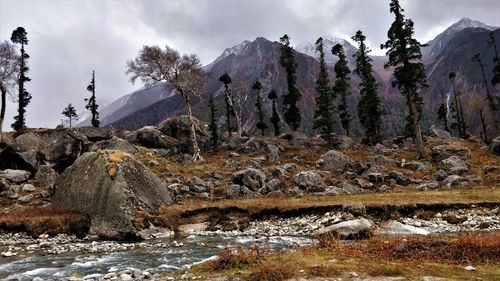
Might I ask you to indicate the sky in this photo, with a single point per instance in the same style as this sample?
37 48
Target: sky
68 39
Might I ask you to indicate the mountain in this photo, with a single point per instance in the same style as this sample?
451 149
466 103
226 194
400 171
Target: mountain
309 48
437 44
259 59
129 104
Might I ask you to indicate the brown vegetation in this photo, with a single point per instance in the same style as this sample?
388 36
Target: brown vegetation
40 220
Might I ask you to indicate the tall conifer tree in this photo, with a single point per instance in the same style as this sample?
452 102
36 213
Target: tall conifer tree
290 100
342 86
369 109
405 57
261 124
275 119
92 102
20 36
214 131
324 97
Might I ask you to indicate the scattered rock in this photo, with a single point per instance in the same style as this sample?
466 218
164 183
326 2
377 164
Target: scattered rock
392 227
441 175
115 143
252 178
349 230
25 199
28 188
455 180
310 181
400 178
334 161
46 177
453 162
15 176
470 268
435 131
494 147
151 137
415 166
179 128
273 153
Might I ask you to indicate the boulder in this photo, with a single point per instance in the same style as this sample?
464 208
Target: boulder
151 137
441 152
348 230
57 148
494 146
392 227
442 134
46 177
381 160
179 128
377 177
400 178
342 142
455 180
453 162
251 145
334 161
95 134
310 181
415 166
15 176
28 188
252 178
115 143
197 185
273 153
111 187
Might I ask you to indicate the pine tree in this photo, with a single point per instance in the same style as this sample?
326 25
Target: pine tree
457 110
369 108
290 100
214 130
92 102
342 86
275 119
230 110
20 36
409 71
496 60
261 125
70 113
324 98
491 101
443 116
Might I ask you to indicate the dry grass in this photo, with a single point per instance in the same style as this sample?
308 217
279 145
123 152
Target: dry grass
442 257
51 220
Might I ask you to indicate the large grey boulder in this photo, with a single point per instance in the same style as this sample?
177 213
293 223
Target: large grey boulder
15 176
334 161
179 127
392 227
342 142
110 187
46 177
442 134
95 134
115 143
273 153
310 181
57 148
151 137
252 178
453 163
348 230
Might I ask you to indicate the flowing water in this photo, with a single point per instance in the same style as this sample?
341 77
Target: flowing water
153 256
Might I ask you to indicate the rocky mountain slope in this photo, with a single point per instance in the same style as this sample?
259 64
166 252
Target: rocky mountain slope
259 59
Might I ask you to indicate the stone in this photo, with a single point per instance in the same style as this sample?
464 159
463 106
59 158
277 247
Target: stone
57 148
95 134
276 193
356 209
348 230
453 162
179 128
428 185
197 185
25 199
442 134
310 181
381 160
392 227
28 188
377 177
400 178
334 161
274 184
252 145
441 175
46 177
110 187
415 166
342 142
494 146
115 143
455 180
278 171
151 137
252 178
273 153
15 176
444 151
470 268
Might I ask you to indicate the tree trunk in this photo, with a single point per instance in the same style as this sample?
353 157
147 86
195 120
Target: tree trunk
238 120
2 109
194 143
417 129
484 134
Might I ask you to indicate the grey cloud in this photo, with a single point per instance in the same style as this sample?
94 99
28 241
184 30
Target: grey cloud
70 38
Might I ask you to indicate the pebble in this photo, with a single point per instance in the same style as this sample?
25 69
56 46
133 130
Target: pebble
470 268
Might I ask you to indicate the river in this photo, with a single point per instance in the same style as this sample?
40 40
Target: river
152 256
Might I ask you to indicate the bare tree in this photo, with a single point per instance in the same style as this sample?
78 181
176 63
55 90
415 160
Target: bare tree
184 73
9 73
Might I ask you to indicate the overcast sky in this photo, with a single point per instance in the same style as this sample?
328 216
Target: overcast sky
70 38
